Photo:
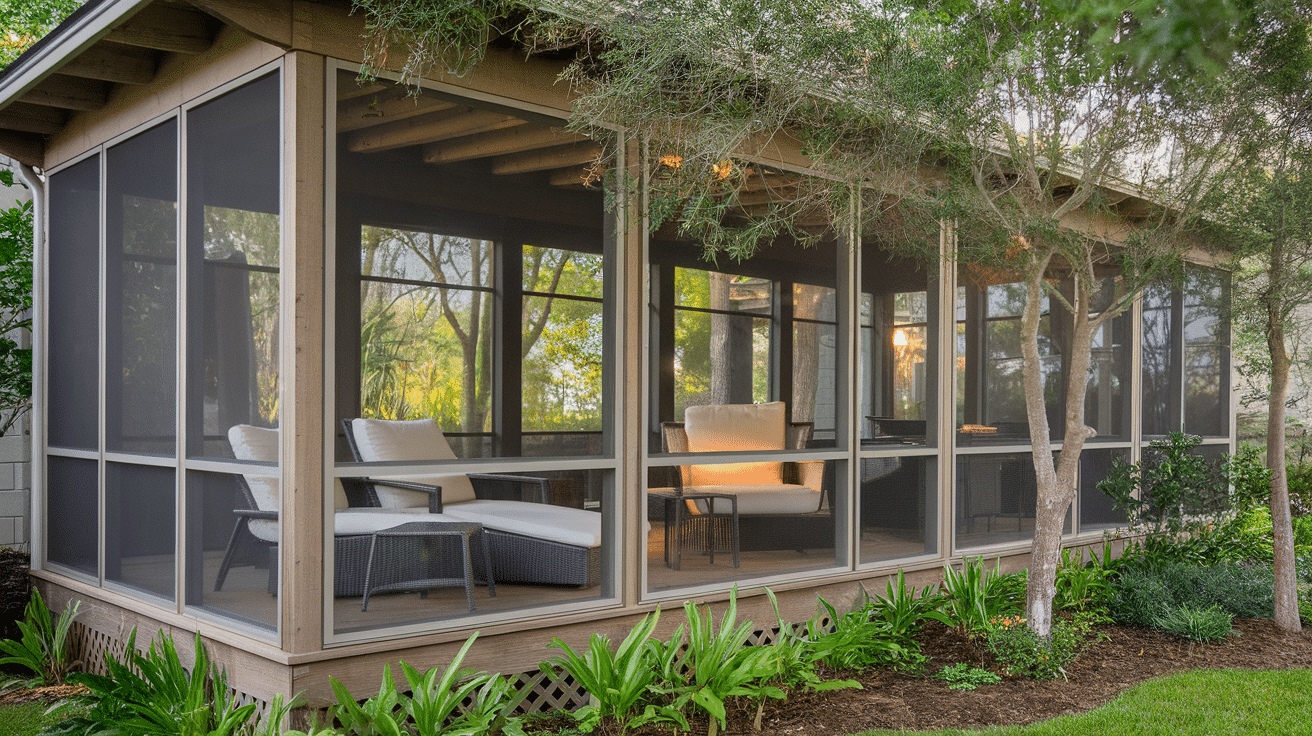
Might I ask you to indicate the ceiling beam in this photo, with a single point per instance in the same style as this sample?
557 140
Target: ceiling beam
70 93
27 118
23 148
348 87
385 107
542 159
429 129
113 62
166 28
497 143
574 176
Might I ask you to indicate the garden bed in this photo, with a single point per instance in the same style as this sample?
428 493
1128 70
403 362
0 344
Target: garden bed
893 700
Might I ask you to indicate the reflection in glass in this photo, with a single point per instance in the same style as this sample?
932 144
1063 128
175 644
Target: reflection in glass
1206 352
721 351
562 347
814 341
234 229
1160 375
140 523
899 504
898 350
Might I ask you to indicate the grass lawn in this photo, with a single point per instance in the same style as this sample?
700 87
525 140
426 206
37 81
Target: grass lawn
25 719
1212 702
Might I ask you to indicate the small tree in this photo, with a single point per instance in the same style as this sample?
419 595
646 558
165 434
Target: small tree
15 309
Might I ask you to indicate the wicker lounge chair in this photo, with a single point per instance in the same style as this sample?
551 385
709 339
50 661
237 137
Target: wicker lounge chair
257 524
533 541
780 505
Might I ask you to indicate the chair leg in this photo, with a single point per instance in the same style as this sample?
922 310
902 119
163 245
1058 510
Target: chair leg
229 553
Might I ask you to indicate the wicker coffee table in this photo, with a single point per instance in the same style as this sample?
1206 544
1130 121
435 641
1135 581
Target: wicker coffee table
397 559
676 517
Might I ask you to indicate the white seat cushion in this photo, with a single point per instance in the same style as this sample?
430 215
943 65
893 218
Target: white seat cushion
778 498
735 427
257 444
418 440
543 521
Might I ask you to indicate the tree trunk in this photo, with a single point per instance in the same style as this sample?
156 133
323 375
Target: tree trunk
721 345
1282 530
1055 481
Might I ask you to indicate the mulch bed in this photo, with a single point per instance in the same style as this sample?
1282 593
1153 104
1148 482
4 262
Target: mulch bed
895 700
50 694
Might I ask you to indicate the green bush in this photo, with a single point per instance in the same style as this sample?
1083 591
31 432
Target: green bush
1023 652
44 647
1244 591
1137 598
1196 624
975 595
962 676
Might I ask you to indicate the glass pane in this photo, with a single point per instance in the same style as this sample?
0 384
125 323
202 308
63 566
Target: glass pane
899 507
246 560
720 359
996 497
1107 403
72 386
140 509
723 291
233 226
562 348
1206 353
815 342
785 527
1161 380
141 320
72 514
1096 509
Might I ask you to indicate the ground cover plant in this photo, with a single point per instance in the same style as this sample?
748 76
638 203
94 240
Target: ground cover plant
43 647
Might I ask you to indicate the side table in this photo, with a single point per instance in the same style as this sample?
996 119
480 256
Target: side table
675 510
402 569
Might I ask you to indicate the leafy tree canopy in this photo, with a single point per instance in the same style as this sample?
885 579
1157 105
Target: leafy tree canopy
24 22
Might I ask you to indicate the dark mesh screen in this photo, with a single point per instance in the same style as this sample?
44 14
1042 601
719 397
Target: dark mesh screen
72 397
899 503
72 516
249 587
1096 510
140 518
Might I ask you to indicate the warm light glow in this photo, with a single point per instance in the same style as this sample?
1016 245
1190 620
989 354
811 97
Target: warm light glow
900 338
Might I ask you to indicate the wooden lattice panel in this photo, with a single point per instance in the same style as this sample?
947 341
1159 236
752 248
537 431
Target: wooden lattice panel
546 694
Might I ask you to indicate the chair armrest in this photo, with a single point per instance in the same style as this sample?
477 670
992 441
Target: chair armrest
434 492
252 514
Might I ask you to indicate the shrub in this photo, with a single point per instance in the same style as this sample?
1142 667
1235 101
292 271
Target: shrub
1196 624
153 693
1081 586
1137 598
962 676
857 640
44 647
973 596
1025 653
1245 591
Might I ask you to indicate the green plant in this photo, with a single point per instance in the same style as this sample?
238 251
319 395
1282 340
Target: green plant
153 694
975 595
903 610
619 684
962 676
16 296
858 641
1081 586
43 647
1137 598
719 664
1196 624
381 714
1174 497
1023 652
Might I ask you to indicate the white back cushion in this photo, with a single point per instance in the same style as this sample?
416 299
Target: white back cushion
257 444
418 440
741 427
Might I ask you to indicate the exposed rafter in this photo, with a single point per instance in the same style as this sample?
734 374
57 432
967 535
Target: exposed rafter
543 159
430 128
385 107
70 93
167 28
113 62
514 140
26 118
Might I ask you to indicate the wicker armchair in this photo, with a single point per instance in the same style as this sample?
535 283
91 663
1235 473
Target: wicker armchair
780 505
534 541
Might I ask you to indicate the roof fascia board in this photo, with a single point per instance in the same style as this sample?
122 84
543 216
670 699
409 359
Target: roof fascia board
79 33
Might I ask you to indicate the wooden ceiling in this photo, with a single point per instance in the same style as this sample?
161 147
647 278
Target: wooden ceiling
129 55
382 116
